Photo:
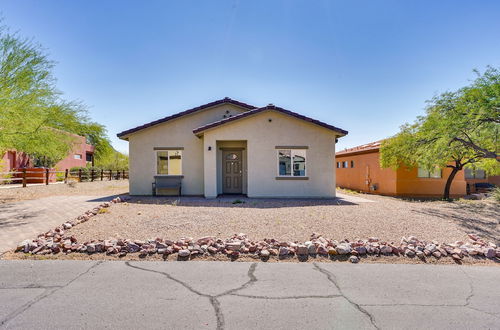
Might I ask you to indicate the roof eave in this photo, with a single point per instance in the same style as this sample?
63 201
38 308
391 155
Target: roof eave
124 135
199 131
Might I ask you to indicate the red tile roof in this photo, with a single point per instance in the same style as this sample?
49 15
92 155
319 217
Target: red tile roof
270 107
186 112
365 148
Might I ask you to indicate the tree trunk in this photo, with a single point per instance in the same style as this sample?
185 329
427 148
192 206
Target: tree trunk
447 187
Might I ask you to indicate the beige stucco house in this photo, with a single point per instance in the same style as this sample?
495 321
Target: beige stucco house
229 147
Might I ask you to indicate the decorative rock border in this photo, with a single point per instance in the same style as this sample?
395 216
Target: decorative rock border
55 241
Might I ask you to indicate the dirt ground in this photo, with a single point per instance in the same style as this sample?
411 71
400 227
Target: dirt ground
387 218
114 187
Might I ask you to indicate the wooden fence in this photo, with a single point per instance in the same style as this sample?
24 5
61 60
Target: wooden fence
45 176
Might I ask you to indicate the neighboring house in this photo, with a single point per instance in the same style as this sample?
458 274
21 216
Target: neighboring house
359 169
81 155
229 147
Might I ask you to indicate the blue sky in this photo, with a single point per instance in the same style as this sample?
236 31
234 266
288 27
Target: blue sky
364 66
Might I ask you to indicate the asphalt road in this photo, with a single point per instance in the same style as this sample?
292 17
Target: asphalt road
224 295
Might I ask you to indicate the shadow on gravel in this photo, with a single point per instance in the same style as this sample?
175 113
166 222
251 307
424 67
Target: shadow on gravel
107 198
238 201
473 219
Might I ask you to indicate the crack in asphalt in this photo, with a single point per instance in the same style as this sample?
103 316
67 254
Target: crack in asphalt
212 298
284 298
471 294
333 280
48 292
30 287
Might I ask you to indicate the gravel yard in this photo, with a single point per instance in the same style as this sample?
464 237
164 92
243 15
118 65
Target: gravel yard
384 217
114 187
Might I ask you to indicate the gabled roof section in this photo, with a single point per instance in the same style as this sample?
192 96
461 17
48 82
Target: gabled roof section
362 149
225 100
198 131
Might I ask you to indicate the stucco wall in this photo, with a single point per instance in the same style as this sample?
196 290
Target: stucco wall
80 147
366 167
410 185
403 182
175 133
262 137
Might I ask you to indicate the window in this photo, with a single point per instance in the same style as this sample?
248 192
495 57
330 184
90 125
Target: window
471 173
169 162
352 163
77 156
345 164
291 162
338 164
423 173
89 157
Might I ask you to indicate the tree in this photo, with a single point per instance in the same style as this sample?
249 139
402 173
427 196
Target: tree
460 129
33 116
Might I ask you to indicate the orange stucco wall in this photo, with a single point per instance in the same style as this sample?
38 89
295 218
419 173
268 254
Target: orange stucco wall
366 173
408 184
403 182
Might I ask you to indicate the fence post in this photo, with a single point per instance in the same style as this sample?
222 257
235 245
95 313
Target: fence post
24 178
66 176
123 174
102 174
110 174
92 175
79 175
47 176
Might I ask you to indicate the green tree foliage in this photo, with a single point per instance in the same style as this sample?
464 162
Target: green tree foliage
33 116
113 160
460 129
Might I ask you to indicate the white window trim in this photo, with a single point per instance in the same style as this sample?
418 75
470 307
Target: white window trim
168 160
291 167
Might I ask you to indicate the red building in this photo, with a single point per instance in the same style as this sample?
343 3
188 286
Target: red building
81 155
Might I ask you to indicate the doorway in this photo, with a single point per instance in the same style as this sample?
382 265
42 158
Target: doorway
232 172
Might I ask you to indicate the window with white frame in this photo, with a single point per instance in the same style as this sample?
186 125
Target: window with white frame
169 162
291 162
77 156
345 164
424 173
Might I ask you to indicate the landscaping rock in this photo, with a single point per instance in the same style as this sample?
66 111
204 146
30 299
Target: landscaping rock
343 248
283 251
183 253
409 253
55 240
311 249
265 253
302 250
490 253
132 247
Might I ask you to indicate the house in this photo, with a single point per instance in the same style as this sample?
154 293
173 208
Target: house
230 147
81 155
359 169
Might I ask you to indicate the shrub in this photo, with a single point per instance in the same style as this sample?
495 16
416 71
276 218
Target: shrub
4 175
496 194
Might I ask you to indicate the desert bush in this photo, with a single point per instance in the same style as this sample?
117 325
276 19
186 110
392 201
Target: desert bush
496 194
